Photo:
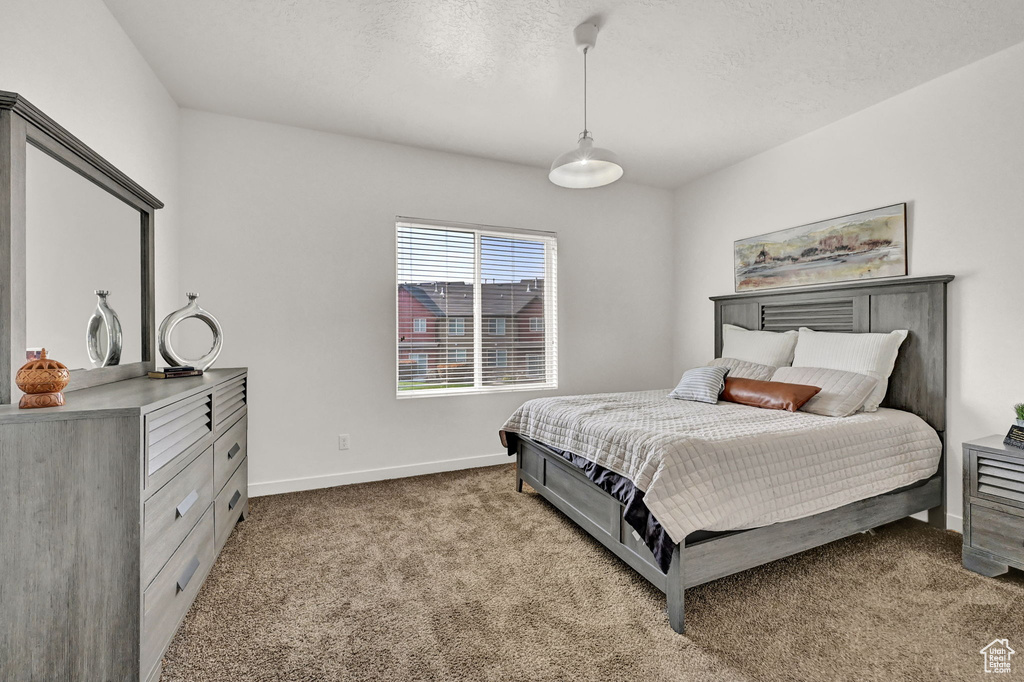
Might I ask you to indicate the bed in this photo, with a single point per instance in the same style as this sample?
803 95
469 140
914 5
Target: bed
868 470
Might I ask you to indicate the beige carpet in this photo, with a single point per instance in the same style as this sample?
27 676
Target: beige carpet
456 577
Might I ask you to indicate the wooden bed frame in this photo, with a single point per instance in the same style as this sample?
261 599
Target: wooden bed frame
918 385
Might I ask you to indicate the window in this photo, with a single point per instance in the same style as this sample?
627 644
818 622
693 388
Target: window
456 327
476 281
535 364
420 364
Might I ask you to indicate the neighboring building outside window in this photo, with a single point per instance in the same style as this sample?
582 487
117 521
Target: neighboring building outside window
421 361
473 282
535 364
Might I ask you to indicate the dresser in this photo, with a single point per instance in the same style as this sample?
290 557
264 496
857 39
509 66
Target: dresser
113 509
993 506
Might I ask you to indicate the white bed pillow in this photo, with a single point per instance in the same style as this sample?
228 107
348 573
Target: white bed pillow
842 393
871 354
741 369
765 348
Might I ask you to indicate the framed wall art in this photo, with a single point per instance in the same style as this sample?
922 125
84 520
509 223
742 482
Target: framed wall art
863 245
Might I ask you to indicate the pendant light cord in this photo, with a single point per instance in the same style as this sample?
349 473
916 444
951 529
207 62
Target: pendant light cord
585 131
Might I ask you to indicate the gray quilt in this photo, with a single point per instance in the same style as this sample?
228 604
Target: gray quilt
727 466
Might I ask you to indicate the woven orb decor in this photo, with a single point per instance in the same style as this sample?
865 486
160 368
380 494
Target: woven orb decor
42 381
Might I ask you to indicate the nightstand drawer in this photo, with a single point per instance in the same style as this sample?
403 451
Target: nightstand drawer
998 532
997 477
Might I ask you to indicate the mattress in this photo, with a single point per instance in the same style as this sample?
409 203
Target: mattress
731 467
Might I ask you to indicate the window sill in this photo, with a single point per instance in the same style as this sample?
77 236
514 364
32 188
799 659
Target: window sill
437 392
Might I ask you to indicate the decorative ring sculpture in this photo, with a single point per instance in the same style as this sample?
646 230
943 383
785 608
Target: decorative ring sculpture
174 319
106 316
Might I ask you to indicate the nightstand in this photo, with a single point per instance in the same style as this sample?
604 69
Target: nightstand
993 506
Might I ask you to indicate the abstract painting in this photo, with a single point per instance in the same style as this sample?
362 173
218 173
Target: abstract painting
859 246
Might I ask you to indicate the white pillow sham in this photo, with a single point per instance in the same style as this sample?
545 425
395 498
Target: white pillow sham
842 393
870 354
741 369
765 348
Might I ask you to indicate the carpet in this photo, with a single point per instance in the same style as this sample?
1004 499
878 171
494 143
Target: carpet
455 576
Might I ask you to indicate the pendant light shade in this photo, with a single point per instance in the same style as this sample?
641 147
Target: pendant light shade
586 166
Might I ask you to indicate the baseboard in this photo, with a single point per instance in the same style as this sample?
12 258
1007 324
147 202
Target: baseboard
291 485
953 522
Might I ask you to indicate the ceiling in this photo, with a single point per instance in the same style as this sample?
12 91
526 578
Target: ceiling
678 88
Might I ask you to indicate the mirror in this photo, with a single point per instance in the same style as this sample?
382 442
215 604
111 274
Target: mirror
79 238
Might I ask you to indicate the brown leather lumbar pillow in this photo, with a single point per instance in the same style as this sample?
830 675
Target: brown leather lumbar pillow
771 395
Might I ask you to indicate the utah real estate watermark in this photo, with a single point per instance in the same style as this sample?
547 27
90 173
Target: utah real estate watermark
997 656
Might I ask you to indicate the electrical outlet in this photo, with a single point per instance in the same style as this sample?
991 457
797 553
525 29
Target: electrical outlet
343 441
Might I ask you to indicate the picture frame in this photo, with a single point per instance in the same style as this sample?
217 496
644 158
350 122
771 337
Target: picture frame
866 245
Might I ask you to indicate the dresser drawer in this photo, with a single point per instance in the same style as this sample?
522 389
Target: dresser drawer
230 503
174 434
167 599
230 401
998 532
173 511
228 452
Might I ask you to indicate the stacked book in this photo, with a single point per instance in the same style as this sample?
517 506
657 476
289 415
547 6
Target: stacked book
175 372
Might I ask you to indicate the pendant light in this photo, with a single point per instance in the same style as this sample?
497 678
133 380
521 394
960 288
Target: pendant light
586 166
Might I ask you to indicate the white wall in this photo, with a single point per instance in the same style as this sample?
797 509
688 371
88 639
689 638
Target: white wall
71 59
954 149
289 236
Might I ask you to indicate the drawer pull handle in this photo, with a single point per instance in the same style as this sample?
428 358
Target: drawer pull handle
186 504
234 450
234 499
186 577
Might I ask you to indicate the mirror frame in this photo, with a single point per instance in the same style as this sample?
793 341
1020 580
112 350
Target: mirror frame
22 124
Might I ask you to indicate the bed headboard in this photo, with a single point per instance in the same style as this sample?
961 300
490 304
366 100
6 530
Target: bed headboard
918 382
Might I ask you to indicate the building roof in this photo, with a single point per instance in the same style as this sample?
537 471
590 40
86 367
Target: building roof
455 299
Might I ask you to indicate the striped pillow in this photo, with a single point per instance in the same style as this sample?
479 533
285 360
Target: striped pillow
871 354
701 384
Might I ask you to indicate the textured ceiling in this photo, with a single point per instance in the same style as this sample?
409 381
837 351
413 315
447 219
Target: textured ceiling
677 88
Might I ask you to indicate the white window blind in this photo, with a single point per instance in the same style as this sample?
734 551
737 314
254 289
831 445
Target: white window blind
488 295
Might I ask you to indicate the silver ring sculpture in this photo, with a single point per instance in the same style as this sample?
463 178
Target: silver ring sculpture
192 309
106 316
